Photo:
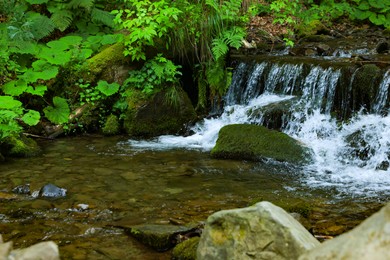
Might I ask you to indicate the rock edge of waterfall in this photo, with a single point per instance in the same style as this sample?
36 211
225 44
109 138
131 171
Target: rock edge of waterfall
265 231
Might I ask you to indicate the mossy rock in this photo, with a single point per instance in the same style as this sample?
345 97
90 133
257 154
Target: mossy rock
159 237
20 146
365 86
111 126
186 250
148 117
252 142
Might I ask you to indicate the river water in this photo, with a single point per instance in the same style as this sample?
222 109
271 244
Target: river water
125 185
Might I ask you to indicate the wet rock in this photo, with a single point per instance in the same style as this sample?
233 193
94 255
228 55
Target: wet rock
252 142
148 117
19 146
22 189
52 191
369 240
159 237
5 249
262 231
383 47
6 196
186 250
45 250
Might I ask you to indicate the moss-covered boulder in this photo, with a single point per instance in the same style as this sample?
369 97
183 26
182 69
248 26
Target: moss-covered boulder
19 146
365 86
148 117
159 237
252 142
111 126
186 250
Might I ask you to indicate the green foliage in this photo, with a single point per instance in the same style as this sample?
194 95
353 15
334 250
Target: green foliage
59 112
92 95
376 11
146 22
156 73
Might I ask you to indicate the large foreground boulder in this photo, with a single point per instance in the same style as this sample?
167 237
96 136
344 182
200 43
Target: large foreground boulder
262 231
369 240
253 142
148 117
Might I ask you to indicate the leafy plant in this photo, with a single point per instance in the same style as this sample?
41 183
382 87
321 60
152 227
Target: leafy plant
146 21
156 73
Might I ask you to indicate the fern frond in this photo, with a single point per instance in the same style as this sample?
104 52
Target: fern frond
219 48
62 19
102 16
213 4
42 26
86 4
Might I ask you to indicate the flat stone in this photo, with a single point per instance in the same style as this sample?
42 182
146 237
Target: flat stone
44 250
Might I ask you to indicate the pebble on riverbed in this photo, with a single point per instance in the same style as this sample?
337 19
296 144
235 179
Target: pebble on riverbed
52 191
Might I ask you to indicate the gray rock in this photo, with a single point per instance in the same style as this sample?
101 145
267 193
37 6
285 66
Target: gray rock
22 189
369 240
52 191
262 231
5 249
45 251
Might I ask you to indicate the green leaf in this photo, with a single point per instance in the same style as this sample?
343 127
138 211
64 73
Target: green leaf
37 2
37 90
106 88
8 102
59 112
15 87
31 118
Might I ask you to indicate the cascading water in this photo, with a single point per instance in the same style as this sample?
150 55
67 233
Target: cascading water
353 157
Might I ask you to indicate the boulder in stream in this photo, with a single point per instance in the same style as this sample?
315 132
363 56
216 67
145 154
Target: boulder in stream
253 142
262 231
369 240
52 191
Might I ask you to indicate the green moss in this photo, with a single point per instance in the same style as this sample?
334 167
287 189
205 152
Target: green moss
111 126
186 250
312 28
20 146
148 117
252 142
365 86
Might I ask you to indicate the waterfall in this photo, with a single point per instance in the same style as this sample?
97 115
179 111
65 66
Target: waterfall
352 156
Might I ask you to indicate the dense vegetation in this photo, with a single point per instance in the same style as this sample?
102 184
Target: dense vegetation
45 46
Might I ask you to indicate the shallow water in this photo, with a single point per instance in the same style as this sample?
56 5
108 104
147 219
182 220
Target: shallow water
124 185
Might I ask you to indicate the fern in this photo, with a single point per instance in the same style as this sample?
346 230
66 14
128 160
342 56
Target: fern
102 16
86 4
41 26
61 18
219 48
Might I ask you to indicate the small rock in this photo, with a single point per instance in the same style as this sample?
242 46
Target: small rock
383 47
45 250
5 249
52 191
22 189
186 250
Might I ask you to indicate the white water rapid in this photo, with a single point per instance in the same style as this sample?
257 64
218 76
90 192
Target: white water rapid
352 157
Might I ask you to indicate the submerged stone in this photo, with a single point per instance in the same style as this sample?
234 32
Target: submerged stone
262 231
252 142
52 191
159 237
